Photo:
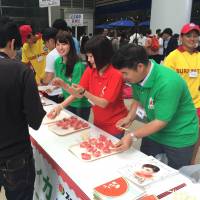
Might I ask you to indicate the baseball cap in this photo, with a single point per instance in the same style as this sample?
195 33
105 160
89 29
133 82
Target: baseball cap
189 27
25 30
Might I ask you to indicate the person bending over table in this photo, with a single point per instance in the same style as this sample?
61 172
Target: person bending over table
163 97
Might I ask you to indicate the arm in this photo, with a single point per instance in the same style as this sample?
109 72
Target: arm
80 92
148 129
108 94
127 121
32 105
99 101
55 111
169 90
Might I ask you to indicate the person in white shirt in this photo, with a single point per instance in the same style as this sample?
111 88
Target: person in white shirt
49 35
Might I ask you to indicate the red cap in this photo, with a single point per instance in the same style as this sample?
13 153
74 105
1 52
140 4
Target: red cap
189 27
25 30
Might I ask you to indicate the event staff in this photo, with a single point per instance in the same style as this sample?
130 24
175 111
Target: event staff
69 69
33 51
185 60
102 85
163 97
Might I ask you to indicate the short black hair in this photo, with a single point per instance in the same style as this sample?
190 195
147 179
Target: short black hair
60 24
72 57
49 33
130 56
153 167
158 31
69 29
101 49
148 31
9 31
168 31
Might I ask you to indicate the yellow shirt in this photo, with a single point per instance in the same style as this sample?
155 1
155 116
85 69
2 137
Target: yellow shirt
36 56
188 66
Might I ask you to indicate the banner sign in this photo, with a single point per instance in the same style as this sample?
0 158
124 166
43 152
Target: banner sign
48 3
76 20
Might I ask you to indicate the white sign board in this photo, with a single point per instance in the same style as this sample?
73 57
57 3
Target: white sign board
48 3
76 20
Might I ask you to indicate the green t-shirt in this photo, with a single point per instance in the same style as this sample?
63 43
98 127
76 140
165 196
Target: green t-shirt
77 73
165 96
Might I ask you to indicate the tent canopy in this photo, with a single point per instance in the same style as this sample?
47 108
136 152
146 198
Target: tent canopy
127 23
107 26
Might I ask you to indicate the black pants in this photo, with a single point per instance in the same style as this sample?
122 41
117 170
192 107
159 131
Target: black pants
17 175
81 112
177 157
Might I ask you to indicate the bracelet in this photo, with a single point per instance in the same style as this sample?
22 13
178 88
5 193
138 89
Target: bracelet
83 92
134 138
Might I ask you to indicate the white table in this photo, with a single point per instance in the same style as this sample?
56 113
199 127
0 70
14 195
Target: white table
61 175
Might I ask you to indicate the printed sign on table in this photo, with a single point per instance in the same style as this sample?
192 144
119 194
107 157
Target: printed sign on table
144 171
118 189
48 184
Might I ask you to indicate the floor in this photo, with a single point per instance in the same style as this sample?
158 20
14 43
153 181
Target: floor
135 125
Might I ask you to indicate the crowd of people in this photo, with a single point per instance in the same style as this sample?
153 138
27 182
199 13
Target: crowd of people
163 71
166 40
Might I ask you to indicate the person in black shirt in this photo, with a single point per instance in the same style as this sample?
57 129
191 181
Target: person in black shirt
170 41
20 107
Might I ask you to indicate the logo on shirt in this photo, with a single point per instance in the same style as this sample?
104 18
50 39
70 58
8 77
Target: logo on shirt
151 103
103 91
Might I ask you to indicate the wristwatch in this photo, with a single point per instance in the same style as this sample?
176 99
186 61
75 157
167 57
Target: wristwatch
133 136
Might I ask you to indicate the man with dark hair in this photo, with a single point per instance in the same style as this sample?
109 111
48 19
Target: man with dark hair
162 96
60 24
49 38
169 43
20 106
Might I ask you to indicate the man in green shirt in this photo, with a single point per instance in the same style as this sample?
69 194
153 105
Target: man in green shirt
161 96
